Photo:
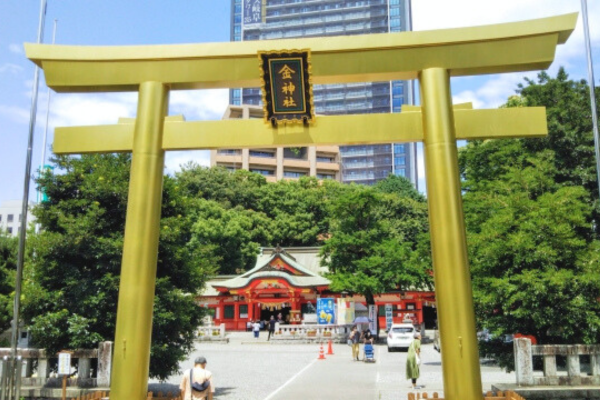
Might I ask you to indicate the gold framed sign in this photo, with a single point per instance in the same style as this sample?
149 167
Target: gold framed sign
286 86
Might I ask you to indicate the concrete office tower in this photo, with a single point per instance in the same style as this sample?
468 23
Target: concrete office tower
10 216
321 162
278 19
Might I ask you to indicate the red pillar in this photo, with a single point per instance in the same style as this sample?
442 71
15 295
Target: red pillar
250 310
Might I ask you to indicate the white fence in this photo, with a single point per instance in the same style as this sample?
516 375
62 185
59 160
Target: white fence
311 332
524 353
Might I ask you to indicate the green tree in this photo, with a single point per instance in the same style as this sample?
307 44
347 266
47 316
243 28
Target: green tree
8 266
373 244
298 210
531 210
73 280
233 235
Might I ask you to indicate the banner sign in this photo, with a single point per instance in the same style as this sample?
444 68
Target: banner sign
64 363
388 316
373 319
252 12
286 86
346 311
325 311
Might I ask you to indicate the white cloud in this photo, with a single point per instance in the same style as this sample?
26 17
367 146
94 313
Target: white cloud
15 48
175 159
492 93
199 104
15 114
10 68
91 109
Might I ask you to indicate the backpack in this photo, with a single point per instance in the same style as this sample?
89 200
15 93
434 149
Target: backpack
198 387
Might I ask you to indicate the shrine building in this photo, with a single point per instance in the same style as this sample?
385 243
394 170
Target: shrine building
286 283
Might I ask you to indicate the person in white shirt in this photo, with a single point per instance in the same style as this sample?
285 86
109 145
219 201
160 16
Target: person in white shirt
256 329
199 374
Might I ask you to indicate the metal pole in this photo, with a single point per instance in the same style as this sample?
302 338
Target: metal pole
588 47
18 369
43 161
4 379
23 222
411 100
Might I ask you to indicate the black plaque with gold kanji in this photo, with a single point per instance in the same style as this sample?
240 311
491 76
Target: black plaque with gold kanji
287 88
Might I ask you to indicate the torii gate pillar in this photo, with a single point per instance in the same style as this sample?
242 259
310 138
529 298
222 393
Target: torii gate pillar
140 248
448 239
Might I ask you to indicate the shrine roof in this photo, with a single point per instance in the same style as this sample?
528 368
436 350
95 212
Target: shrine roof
303 276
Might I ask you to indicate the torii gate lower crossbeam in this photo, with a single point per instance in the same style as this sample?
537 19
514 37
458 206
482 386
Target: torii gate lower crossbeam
441 54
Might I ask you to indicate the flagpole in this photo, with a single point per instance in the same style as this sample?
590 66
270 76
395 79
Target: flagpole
586 31
43 161
411 100
23 221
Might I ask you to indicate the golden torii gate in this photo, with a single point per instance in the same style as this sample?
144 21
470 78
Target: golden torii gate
431 56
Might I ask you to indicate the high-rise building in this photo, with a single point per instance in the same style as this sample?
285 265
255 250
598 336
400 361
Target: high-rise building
10 216
278 19
321 162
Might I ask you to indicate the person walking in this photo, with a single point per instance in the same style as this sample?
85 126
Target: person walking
198 375
354 338
413 360
272 323
367 337
256 329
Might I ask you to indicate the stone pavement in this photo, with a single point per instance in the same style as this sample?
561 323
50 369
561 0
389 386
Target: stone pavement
246 369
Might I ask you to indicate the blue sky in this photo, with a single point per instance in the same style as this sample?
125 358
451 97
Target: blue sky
112 22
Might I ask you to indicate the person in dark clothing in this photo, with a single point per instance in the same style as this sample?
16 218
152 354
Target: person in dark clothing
272 323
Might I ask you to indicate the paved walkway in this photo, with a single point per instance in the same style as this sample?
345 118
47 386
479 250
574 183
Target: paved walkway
246 369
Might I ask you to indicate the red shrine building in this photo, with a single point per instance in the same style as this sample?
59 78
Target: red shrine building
287 283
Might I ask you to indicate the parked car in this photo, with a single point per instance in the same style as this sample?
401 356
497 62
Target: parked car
400 336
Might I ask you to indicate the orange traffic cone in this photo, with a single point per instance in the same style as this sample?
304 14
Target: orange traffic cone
330 349
321 353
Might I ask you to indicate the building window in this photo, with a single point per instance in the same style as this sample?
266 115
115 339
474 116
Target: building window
265 172
293 174
10 218
228 152
400 161
243 311
264 154
325 159
399 148
0 217
229 312
9 229
324 176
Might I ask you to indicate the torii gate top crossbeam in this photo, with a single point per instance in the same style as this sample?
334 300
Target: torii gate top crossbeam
509 47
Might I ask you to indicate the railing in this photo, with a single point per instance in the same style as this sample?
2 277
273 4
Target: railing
508 395
524 353
312 332
211 332
80 359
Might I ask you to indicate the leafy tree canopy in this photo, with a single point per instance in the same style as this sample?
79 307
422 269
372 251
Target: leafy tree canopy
531 209
8 266
73 279
376 241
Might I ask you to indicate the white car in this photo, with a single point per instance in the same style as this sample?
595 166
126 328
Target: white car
400 336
